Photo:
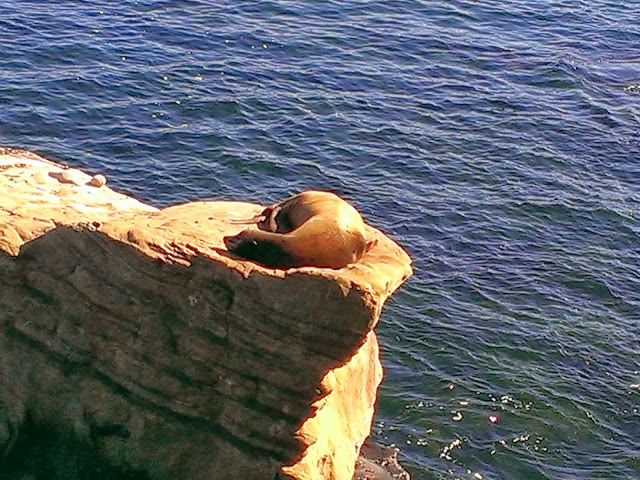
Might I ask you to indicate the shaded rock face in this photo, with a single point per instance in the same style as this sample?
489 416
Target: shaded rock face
131 337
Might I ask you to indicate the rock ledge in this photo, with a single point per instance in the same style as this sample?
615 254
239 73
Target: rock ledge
133 332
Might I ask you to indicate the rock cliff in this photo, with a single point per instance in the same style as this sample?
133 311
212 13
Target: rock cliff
131 333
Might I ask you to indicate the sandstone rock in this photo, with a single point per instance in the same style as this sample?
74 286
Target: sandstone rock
132 333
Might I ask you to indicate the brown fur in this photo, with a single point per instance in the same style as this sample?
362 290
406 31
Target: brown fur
308 229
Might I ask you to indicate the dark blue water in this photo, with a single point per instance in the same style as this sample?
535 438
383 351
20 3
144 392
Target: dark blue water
499 142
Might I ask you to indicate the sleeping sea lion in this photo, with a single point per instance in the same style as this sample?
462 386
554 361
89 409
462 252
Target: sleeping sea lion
311 228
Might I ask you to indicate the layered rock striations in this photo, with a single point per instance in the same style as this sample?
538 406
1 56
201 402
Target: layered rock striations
131 332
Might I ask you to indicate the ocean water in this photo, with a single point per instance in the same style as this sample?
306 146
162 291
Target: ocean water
498 142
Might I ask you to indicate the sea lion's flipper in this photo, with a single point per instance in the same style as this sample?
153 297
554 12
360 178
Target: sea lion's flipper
269 220
249 221
370 244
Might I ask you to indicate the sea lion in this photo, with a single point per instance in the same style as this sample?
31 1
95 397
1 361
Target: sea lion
311 228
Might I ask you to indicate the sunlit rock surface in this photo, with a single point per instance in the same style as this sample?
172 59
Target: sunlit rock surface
131 333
